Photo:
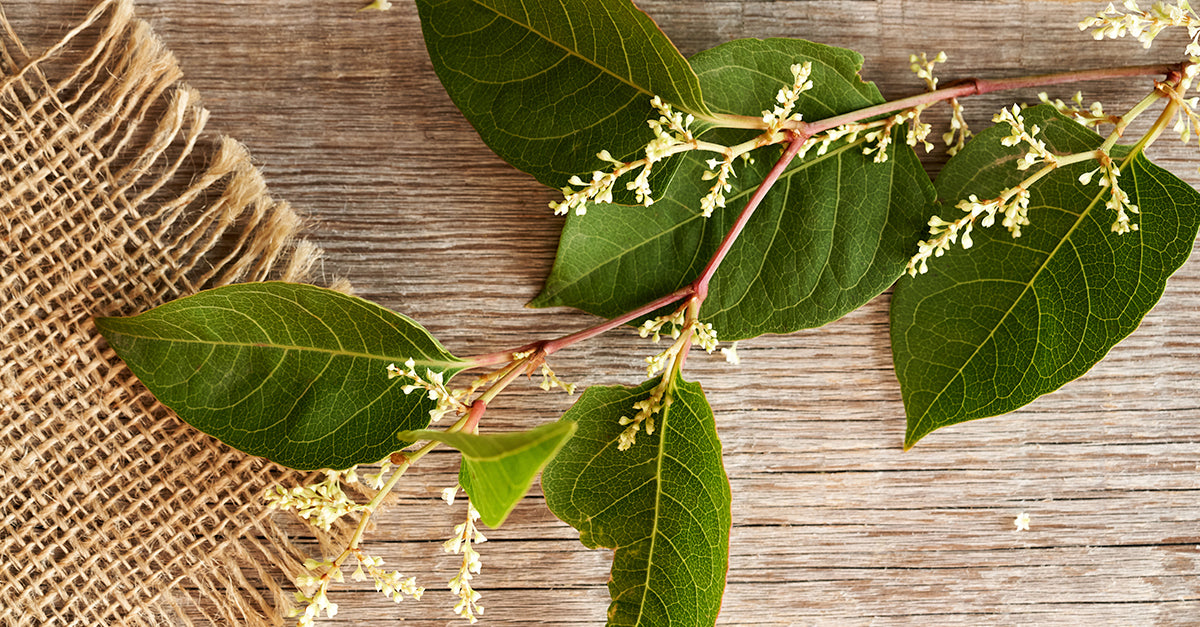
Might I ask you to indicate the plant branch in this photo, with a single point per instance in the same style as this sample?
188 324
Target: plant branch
797 133
548 347
697 290
957 89
1174 95
979 86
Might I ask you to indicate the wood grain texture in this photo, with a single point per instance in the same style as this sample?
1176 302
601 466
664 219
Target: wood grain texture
833 524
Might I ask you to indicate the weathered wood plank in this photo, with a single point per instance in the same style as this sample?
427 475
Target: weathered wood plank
832 523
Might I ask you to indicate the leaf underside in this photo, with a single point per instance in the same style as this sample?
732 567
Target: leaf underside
497 469
664 504
832 234
548 85
293 373
990 329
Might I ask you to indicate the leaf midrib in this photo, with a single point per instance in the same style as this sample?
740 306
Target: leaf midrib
658 492
579 55
424 361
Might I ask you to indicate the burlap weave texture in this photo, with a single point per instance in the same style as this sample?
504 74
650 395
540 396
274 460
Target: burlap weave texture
112 200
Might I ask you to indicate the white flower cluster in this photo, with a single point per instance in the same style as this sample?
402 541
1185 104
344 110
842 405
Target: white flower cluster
787 98
598 190
646 408
697 334
434 385
880 138
1118 200
1091 116
956 137
1188 119
551 381
320 504
314 585
672 134
918 130
671 129
391 583
1145 25
703 335
923 68
1037 152
317 600
654 326
716 196
377 479
876 136
1013 204
466 535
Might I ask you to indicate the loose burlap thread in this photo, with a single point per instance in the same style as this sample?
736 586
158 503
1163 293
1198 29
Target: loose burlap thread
113 201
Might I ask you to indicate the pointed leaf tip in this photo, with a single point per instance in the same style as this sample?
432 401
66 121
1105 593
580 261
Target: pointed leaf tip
497 469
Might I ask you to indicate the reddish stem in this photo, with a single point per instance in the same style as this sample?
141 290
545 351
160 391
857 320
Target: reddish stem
473 416
550 346
796 141
979 86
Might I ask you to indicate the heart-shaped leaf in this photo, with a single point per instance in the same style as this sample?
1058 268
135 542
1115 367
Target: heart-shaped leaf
833 233
293 373
497 469
664 504
991 328
548 85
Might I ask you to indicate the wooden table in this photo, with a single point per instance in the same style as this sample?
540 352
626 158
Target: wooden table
832 522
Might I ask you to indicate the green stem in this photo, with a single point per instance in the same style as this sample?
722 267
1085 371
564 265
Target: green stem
1130 116
1159 125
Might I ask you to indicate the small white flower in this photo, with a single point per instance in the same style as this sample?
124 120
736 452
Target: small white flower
787 97
1022 521
731 354
377 5
465 536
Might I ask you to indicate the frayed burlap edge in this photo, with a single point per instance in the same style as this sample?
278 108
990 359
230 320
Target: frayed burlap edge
112 511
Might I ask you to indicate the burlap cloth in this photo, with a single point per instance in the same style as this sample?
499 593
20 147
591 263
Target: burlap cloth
112 201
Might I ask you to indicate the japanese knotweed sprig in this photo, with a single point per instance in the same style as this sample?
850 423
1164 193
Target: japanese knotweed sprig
466 535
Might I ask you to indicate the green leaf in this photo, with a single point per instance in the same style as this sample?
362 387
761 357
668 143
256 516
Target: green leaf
549 84
990 329
498 469
293 373
664 504
833 233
